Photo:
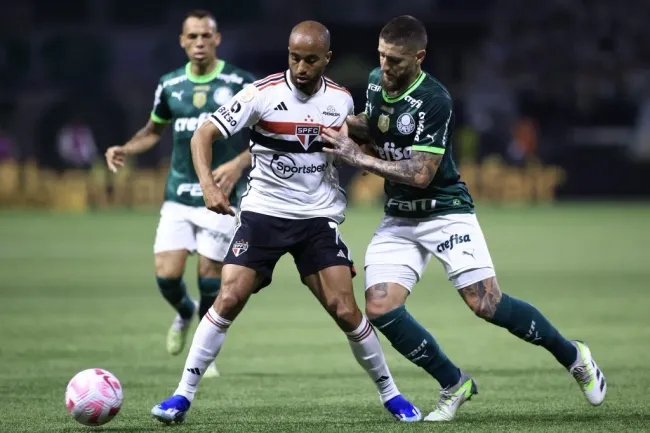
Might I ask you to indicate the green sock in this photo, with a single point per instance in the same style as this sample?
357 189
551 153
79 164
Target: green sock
209 289
528 323
417 345
175 292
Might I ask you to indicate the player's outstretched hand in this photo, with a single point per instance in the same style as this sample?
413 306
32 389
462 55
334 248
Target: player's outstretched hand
115 158
217 201
342 146
227 175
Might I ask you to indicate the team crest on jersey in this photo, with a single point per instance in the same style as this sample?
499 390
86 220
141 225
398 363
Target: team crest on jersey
307 134
199 99
405 124
239 248
222 95
383 123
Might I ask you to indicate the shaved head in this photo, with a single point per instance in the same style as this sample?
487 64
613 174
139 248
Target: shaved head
309 54
312 33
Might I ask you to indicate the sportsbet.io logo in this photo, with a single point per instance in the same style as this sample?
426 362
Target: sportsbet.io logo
454 239
285 167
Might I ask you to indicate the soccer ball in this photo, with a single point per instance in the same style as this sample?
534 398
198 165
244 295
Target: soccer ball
93 397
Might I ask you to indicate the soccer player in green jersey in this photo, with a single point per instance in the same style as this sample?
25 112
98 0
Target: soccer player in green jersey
184 99
429 212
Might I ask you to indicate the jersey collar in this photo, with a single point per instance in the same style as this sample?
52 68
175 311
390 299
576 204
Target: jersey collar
201 79
411 88
299 94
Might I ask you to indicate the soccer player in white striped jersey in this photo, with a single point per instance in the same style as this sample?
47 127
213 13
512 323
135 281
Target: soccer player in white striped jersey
293 205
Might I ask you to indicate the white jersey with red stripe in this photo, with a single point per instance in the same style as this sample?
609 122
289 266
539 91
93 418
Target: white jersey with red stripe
291 176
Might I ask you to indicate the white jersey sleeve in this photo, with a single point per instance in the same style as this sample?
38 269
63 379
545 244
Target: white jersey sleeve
243 110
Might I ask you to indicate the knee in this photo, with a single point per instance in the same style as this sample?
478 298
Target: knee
378 303
377 308
483 298
229 300
233 295
345 311
168 267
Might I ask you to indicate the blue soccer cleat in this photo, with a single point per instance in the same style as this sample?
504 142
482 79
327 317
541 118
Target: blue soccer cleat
171 410
402 409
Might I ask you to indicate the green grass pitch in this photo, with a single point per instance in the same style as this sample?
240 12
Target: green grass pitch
79 292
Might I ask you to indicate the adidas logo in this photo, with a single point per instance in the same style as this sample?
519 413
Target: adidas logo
194 371
281 107
382 379
340 254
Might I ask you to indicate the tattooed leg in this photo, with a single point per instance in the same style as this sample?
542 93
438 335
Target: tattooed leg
387 312
521 319
483 297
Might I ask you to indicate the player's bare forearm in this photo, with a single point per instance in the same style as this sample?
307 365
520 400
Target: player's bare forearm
358 126
244 159
145 138
201 148
418 171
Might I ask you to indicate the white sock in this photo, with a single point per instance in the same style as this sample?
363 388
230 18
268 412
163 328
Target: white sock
367 350
207 342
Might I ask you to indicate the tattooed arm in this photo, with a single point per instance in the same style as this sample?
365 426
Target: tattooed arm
358 126
418 171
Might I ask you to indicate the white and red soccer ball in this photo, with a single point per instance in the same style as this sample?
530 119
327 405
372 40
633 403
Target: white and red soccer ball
93 397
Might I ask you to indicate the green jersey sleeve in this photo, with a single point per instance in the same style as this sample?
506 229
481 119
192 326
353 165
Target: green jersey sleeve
161 112
435 125
374 78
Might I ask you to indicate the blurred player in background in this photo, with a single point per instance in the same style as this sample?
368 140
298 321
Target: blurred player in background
429 212
293 205
185 98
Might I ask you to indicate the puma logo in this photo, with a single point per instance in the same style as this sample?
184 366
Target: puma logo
177 95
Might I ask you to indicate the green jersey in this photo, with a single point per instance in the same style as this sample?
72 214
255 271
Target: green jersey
185 101
421 119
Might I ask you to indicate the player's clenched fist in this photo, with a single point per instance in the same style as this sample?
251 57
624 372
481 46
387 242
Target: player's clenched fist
217 201
115 158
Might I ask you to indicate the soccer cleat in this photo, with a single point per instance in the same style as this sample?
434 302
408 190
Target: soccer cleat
452 398
177 334
402 409
174 409
211 371
588 375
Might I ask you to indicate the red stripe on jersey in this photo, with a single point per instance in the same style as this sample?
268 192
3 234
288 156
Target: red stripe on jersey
288 128
335 86
272 83
269 77
265 82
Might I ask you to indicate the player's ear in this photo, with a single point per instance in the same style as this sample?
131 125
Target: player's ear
328 57
419 56
181 41
217 39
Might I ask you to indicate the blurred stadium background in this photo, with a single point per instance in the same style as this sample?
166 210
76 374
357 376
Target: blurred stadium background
552 136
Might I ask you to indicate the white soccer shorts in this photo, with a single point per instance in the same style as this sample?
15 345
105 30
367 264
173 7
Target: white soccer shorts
195 229
402 247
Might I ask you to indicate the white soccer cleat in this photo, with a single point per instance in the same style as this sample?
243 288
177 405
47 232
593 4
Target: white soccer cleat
452 398
211 371
585 371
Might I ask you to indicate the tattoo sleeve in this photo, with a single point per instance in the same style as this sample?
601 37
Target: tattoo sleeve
483 297
359 127
418 171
